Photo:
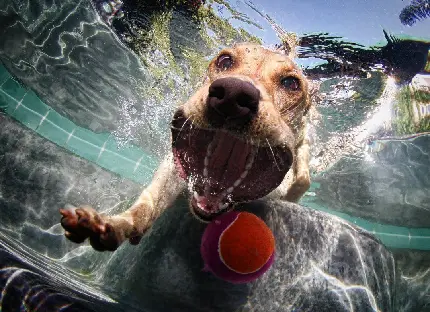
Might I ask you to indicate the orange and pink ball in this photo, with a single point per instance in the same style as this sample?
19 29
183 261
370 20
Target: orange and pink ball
238 247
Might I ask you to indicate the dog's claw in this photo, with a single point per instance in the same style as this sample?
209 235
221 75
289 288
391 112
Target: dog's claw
68 220
82 223
135 240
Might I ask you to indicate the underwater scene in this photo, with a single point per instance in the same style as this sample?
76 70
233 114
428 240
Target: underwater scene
215 155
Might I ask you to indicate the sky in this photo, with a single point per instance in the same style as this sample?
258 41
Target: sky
359 21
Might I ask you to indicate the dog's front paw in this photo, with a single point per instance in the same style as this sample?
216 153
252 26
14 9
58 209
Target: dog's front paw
85 222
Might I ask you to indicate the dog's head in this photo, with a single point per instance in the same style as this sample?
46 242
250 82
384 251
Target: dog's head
234 140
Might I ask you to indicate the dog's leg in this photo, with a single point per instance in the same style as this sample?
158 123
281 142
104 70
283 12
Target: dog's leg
301 177
108 232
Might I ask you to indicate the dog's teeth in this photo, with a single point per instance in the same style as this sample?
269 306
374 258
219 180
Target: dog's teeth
209 150
205 172
196 196
249 163
222 206
244 174
237 182
230 189
202 207
206 161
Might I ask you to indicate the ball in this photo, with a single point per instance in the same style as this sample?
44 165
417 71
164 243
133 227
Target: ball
237 247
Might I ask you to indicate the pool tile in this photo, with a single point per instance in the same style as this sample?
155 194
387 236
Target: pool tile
32 101
14 89
143 174
391 229
130 151
394 240
27 117
60 121
420 238
7 104
114 162
86 143
364 224
149 162
30 111
392 236
83 148
314 186
4 74
96 139
56 128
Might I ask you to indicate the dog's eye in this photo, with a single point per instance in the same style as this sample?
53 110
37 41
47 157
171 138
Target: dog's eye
290 83
224 61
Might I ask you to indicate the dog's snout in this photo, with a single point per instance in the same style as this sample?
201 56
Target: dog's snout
232 101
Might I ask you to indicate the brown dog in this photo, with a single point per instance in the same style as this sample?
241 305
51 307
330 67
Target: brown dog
234 140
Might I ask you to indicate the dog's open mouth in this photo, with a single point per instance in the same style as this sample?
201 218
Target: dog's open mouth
223 169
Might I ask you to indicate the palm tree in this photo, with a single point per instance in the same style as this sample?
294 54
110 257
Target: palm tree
416 11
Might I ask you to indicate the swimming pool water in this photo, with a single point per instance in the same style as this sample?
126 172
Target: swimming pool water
84 111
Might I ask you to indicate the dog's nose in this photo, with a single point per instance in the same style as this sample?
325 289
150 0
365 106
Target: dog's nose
232 102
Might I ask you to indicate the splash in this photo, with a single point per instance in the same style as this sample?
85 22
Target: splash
416 11
382 116
144 125
353 141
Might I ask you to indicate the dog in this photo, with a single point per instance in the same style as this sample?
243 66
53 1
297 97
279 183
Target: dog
235 140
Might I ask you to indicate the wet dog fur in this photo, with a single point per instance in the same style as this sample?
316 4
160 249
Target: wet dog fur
272 129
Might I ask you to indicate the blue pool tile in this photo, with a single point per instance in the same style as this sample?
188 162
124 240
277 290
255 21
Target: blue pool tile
130 151
83 148
314 186
4 74
84 145
7 103
149 162
364 224
32 102
393 236
420 238
14 89
27 116
56 128
31 111
391 229
96 139
143 174
394 240
117 163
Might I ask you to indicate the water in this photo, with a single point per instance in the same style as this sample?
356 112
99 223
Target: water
123 77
